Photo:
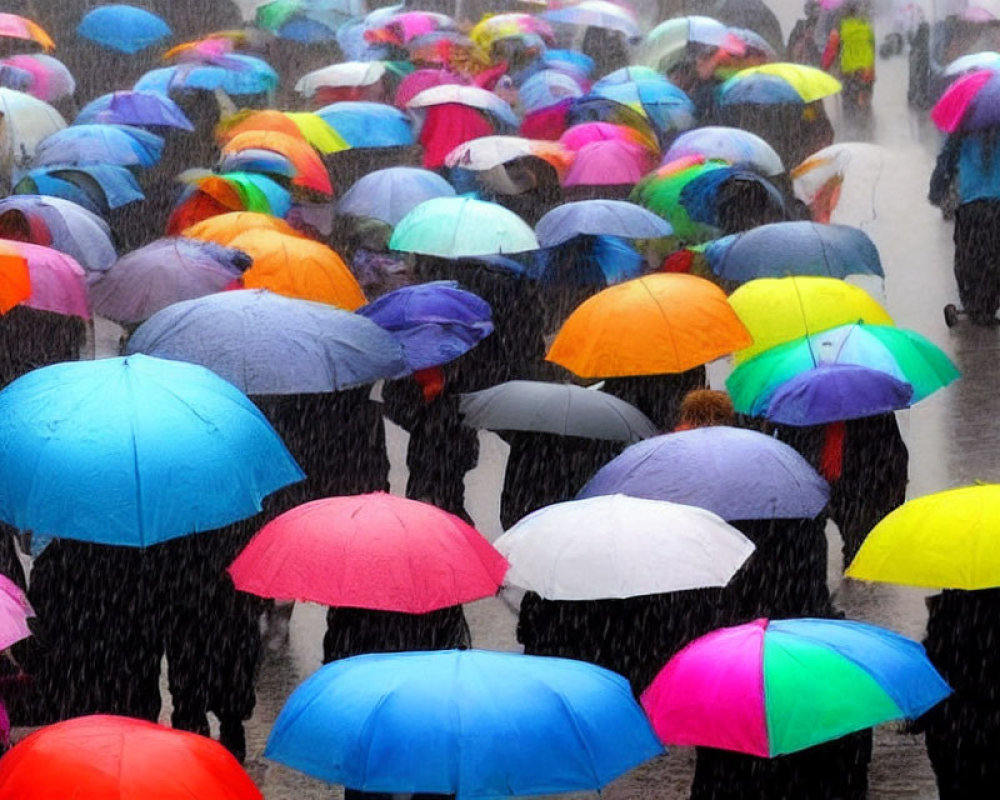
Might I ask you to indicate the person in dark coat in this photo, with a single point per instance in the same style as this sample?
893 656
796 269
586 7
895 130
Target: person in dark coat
658 396
31 338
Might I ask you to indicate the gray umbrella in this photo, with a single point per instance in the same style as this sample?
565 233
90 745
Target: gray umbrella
264 343
558 408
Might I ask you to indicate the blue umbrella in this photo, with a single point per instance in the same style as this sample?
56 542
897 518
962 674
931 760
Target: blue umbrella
571 61
390 194
433 322
472 723
368 124
268 344
701 196
794 248
547 87
588 261
668 107
599 217
134 108
121 145
758 89
735 473
247 75
102 186
133 451
256 160
126 29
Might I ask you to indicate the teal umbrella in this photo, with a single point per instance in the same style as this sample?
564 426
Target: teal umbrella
461 227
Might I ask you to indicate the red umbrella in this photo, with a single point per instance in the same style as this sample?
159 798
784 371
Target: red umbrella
118 758
373 551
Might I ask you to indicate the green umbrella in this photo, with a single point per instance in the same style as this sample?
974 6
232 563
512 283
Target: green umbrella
660 192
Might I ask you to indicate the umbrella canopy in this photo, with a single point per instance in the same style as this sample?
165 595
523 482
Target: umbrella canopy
124 28
264 343
390 194
347 73
122 145
666 107
661 323
738 147
223 228
777 310
14 26
14 612
491 29
237 75
421 79
488 152
15 281
811 84
101 187
945 540
773 687
596 14
794 248
162 273
142 109
615 546
661 192
58 282
119 758
609 164
26 122
433 322
559 408
972 62
970 103
666 44
899 353
308 127
707 198
758 90
364 124
599 218
842 176
454 227
309 168
471 96
548 87
735 473
101 451
298 267
50 79
374 551
578 136
470 723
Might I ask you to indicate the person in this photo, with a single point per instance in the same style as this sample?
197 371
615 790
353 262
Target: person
802 47
851 47
658 396
703 408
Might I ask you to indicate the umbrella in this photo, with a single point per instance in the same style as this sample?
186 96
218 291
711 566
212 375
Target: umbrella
971 62
374 551
614 546
596 14
15 281
758 89
586 260
139 108
489 152
661 323
794 248
667 43
58 282
162 273
471 96
612 163
548 87
102 187
14 26
777 310
969 104
899 353
578 136
399 29
559 408
469 723
771 687
364 124
433 322
811 84
103 451
597 218
122 145
491 29
738 147
708 198
310 170
307 126
663 104
50 79
344 74
735 473
234 191
456 227
421 79
14 612
661 192
26 122
12 77
307 21
255 159
846 174
944 540
103 757
390 194
124 28
223 228
237 75
264 343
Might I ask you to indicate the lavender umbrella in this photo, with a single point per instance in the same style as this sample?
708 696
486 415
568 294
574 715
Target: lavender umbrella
390 194
162 273
735 473
145 109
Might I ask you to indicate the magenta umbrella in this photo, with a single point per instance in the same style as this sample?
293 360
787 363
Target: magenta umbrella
51 80
609 163
58 282
14 612
414 83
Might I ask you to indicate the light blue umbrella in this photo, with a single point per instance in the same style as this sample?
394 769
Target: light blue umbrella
667 107
390 194
473 723
134 108
106 186
368 124
121 145
548 87
133 451
126 29
599 218
248 75
265 343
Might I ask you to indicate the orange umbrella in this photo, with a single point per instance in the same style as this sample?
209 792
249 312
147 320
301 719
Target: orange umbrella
223 228
661 323
310 128
297 267
312 173
15 283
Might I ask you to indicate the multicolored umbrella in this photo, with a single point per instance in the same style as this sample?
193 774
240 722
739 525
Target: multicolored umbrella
969 104
390 194
945 540
14 612
667 107
58 282
736 146
616 546
14 26
264 343
227 191
778 686
311 128
735 473
127 29
810 84
661 323
101 451
311 173
455 227
661 191
467 723
364 125
492 29
15 281
238 75
611 163
489 152
844 175
121 145
971 62
667 43
222 229
599 218
138 108
546 88
128 759
50 79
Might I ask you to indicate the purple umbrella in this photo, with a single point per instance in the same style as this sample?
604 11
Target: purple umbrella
735 473
433 322
162 273
145 109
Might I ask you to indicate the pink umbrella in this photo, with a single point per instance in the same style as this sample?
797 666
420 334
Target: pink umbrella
414 83
609 163
950 110
586 133
51 79
373 551
58 282
14 612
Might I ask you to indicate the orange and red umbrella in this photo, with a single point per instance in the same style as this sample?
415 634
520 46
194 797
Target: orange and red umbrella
311 172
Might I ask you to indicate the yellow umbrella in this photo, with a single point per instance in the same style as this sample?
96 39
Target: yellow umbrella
777 310
812 84
948 540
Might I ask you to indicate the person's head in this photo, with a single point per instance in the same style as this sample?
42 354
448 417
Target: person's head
703 408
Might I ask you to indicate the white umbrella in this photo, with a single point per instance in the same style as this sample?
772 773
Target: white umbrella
613 547
348 73
24 122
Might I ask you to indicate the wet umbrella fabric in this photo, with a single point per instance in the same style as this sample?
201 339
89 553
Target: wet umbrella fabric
14 26
106 186
49 79
455 227
738 147
104 451
735 473
242 75
390 194
126 29
14 612
137 108
365 124
472 723
969 104
599 217
103 757
773 687
374 551
58 282
15 281
264 343
122 145
27 121
558 408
